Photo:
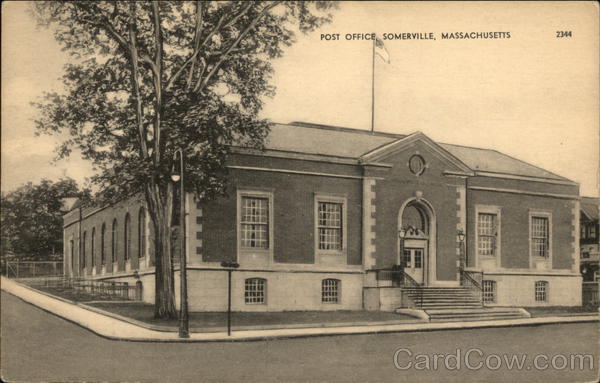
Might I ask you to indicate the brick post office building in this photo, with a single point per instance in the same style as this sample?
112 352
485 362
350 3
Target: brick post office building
321 219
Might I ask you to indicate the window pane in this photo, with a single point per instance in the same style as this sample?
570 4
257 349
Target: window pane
486 231
330 226
254 292
418 259
489 291
330 291
406 259
255 222
539 236
541 291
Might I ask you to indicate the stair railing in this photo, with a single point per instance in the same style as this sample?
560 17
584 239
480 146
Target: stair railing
399 278
474 281
411 283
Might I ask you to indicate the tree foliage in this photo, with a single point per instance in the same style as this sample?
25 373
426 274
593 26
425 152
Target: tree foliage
148 78
32 221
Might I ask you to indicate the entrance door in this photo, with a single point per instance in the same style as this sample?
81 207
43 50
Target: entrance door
414 262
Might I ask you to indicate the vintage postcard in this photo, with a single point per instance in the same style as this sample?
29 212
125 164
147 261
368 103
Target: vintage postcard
306 191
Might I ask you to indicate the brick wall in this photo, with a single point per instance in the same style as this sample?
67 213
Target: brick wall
293 214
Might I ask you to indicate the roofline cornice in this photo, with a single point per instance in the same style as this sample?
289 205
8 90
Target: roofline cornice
525 178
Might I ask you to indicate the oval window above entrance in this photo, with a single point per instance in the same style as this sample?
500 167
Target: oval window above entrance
416 165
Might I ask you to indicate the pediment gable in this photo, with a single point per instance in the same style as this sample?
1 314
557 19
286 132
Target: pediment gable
381 153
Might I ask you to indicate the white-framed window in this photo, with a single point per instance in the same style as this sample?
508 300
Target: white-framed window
103 244
540 236
141 233
583 231
330 290
72 253
83 254
127 238
255 291
330 224
541 291
406 258
255 220
489 291
592 231
487 233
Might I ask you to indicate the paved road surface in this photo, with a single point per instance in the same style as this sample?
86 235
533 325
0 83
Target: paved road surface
37 346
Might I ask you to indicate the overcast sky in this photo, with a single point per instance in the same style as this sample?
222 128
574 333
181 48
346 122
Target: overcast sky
533 96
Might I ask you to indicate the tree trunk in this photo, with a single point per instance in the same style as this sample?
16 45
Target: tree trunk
159 199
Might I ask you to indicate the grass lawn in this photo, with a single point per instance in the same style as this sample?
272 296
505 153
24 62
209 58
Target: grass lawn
560 310
73 295
216 321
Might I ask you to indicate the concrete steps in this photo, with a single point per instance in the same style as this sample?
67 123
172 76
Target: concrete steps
474 314
458 304
443 297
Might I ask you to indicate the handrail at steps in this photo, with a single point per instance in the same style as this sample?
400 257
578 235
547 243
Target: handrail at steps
467 279
399 278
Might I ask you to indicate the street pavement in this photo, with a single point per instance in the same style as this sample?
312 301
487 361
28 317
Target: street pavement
38 346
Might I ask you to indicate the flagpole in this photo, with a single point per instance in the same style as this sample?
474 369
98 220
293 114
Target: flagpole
373 91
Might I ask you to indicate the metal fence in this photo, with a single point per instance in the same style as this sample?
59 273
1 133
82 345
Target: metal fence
33 269
589 291
99 289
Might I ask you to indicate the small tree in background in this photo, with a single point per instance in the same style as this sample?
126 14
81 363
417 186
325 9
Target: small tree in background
151 77
32 218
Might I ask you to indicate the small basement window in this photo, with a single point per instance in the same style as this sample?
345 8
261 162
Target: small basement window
255 291
330 291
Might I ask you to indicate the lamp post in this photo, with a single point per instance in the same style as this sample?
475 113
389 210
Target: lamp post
230 267
461 239
402 234
461 260
398 274
184 325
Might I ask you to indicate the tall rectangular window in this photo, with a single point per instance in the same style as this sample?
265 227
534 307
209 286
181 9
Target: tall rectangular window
540 237
592 231
541 291
255 222
330 226
489 291
486 234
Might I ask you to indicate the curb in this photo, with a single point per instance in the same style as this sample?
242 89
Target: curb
115 327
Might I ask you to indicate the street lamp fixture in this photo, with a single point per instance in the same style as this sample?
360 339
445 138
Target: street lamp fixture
177 176
402 233
462 261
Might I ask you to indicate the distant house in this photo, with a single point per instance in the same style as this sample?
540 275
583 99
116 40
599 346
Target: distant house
589 239
324 217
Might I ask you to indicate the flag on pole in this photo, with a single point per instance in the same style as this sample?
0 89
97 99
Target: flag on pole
381 51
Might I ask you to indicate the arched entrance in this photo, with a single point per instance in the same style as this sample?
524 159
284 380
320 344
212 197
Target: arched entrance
416 252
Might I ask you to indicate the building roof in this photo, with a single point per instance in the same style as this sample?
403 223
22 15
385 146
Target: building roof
590 206
301 137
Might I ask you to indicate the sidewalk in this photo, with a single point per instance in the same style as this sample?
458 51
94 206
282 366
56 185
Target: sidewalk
113 327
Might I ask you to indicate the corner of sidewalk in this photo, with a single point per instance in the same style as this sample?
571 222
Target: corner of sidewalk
117 327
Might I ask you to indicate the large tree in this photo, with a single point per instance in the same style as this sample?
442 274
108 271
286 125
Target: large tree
32 218
148 78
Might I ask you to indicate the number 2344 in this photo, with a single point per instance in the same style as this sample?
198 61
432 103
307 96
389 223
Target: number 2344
563 34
